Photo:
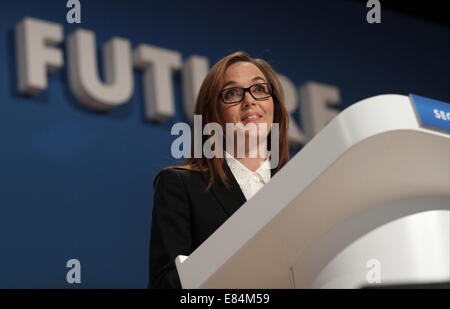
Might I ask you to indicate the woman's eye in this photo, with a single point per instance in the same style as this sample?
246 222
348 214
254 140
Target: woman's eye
260 88
231 93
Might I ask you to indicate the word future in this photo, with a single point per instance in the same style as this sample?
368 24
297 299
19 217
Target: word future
37 55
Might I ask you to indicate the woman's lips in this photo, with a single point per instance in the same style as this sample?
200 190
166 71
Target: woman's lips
251 117
253 120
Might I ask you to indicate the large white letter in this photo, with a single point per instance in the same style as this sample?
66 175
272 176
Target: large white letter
295 135
34 58
158 64
194 71
83 72
316 99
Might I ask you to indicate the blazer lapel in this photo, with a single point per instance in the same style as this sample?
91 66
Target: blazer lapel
233 198
230 199
272 173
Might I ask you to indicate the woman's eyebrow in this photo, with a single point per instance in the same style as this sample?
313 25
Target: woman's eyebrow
233 82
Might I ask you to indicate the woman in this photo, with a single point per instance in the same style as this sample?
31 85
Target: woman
191 201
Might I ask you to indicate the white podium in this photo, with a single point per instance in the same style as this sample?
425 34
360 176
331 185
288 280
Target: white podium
366 201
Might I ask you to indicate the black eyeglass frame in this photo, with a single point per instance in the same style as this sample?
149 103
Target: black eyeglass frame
269 87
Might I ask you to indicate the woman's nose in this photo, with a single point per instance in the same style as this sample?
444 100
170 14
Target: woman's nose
248 99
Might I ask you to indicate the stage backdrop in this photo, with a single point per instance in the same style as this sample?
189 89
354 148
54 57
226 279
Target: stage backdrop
76 184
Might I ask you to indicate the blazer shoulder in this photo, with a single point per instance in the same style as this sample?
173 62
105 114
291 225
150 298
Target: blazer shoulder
185 175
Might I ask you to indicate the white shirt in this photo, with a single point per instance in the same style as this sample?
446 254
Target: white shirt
249 181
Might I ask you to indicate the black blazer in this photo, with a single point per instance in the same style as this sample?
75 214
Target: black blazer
184 216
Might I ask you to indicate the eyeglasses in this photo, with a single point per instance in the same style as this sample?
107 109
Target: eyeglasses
259 91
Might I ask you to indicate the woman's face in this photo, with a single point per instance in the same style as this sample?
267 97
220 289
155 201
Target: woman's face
249 110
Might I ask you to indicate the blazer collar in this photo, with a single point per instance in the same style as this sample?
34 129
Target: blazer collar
233 198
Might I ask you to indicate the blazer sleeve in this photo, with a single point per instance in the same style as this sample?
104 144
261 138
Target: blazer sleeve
170 231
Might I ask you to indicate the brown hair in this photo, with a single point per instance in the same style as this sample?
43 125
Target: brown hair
207 106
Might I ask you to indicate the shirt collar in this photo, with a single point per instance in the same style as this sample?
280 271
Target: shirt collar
241 172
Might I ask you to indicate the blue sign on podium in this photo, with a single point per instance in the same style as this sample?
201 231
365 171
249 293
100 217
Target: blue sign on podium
432 113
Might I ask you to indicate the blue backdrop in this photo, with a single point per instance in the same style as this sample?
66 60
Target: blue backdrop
77 184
